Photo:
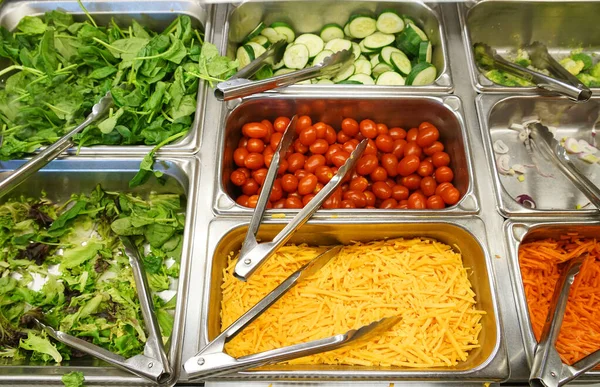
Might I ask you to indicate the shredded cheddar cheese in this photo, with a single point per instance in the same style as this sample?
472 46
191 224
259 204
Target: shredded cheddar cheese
421 280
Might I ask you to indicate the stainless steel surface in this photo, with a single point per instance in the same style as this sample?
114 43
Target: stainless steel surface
63 177
310 17
487 363
506 25
553 193
518 232
154 14
398 110
38 161
239 88
567 84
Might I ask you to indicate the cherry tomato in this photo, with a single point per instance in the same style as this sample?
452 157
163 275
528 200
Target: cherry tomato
358 183
281 124
340 157
442 187
283 166
342 137
293 202
270 130
382 129
443 175
275 140
366 164
425 125
412 134
333 149
427 136
390 162
379 174
255 130
368 128
399 146
238 177
440 159
385 143
324 174
412 148
303 123
428 186
412 182
400 192
313 162
319 187
319 147
321 128
300 174
279 204
250 187
350 127
397 133
307 184
350 146
306 199
425 169
408 165
308 136
289 182
451 196
242 200
259 175
347 204
334 200
433 148
388 204
382 190
417 201
276 191
255 145
299 147
370 197
295 162
435 202
252 201
428 160
371 148
330 135
243 142
358 198
239 156
254 161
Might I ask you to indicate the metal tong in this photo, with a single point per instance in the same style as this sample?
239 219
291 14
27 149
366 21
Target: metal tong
563 81
240 86
153 363
211 361
53 151
544 140
548 370
253 253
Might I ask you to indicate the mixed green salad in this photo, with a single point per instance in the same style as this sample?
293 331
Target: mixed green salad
63 264
577 63
62 67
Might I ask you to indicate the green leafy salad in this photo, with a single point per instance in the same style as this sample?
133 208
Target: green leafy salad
63 263
61 68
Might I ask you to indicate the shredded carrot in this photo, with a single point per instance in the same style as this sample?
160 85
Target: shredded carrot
539 261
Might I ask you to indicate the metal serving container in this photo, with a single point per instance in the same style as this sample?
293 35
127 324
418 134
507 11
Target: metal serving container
467 235
516 233
154 14
59 180
505 25
404 111
554 195
310 17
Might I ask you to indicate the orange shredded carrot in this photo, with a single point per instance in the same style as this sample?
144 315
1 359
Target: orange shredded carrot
539 261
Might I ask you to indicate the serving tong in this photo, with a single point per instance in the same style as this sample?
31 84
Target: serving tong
545 142
253 254
239 85
562 81
153 363
211 361
548 370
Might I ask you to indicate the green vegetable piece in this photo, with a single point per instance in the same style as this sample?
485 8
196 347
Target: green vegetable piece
48 52
152 263
572 66
109 124
79 255
102 72
585 58
43 349
32 25
68 215
126 48
587 79
73 379
595 71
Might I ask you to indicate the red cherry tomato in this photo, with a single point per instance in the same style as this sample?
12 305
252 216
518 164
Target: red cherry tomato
238 178
433 148
399 146
368 128
319 147
428 186
308 136
440 159
283 166
252 200
400 192
443 175
333 149
255 130
299 147
382 129
339 158
281 124
412 134
385 143
293 202
370 197
334 200
313 162
342 137
279 204
442 187
259 175
350 146
356 197
306 199
254 161
417 201
425 169
275 140
250 187
412 148
412 182
296 161
289 182
307 184
366 164
428 136
321 128
324 174
303 123
379 174
408 165
390 162
330 135
435 202
389 204
276 191
239 156
359 184
255 145
382 190
371 148
451 196
350 127
242 200
397 133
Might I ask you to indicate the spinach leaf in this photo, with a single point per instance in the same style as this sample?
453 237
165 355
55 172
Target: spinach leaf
32 25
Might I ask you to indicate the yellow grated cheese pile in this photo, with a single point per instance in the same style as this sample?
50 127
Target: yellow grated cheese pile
421 280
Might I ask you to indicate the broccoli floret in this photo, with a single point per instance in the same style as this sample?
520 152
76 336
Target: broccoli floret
496 76
522 58
585 58
572 66
482 57
587 79
595 71
513 80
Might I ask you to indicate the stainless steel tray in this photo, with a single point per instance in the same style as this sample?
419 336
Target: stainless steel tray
397 110
489 363
505 25
517 232
155 14
241 19
554 195
59 180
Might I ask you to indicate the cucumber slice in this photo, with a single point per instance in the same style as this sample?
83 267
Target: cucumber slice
285 30
362 26
365 50
390 78
362 66
325 82
362 57
263 73
409 40
349 82
347 31
255 32
279 65
362 78
295 56
304 82
419 32
422 74
380 69
356 50
257 48
408 20
331 31
401 63
312 42
386 54
389 22
375 60
272 35
378 40
425 52
321 57
283 71
344 73
262 40
336 45
245 55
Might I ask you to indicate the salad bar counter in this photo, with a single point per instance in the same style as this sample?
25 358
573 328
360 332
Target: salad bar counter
413 211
